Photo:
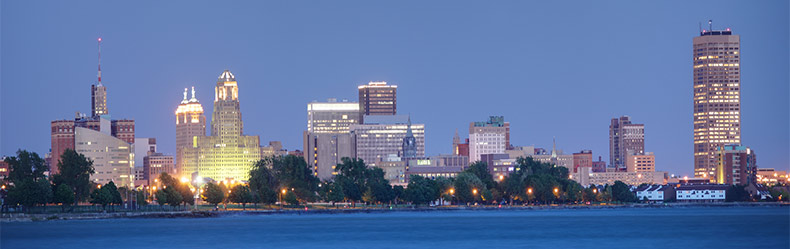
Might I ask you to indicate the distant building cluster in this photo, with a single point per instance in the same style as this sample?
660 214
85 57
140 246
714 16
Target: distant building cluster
372 130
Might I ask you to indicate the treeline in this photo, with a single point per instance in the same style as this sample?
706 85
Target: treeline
288 179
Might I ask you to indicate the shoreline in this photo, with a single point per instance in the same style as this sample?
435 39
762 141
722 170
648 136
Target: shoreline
21 217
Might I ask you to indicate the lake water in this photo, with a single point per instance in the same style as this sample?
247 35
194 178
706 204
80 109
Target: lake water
697 227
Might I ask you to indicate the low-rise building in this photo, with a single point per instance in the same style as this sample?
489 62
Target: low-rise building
770 176
701 192
655 192
759 191
585 177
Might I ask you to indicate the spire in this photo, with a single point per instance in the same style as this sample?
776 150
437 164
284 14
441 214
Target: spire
554 147
227 76
185 97
193 99
99 75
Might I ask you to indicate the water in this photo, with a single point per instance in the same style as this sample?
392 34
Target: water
711 227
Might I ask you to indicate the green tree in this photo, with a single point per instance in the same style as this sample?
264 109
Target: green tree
574 191
420 190
75 171
293 173
480 170
240 194
468 188
161 197
379 188
622 192
26 165
213 194
29 193
102 197
174 198
737 193
352 176
335 193
114 193
63 196
443 186
263 181
291 198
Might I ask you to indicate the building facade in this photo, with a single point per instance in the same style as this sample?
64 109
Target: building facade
736 165
599 166
190 124
582 159
488 137
378 98
717 93
585 177
327 139
701 192
227 154
323 151
381 136
332 116
113 158
624 136
645 162
155 164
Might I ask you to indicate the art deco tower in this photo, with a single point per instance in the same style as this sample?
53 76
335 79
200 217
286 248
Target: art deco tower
717 97
226 118
190 123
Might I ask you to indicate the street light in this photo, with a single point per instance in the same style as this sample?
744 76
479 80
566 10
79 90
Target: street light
452 195
282 193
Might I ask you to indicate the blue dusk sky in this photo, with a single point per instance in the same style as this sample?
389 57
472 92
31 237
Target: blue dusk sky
553 68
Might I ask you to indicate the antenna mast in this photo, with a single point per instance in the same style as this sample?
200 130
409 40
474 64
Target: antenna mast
99 75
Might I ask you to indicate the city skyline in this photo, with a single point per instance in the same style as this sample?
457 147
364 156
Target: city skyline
147 91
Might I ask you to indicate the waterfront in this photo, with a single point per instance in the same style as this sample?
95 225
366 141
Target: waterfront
697 227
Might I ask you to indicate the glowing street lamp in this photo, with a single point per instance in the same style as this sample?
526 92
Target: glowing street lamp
474 191
556 190
282 193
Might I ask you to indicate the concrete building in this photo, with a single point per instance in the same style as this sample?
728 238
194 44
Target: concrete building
378 98
394 168
624 136
323 151
155 164
736 165
381 136
655 193
488 137
556 157
113 158
717 93
582 159
142 147
190 124
599 166
645 162
520 151
332 116
701 192
585 177
327 139
227 154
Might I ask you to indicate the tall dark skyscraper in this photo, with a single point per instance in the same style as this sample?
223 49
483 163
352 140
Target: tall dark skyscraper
717 97
378 98
624 138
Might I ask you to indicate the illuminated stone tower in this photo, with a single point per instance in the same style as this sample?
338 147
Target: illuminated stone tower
226 119
717 97
190 124
227 154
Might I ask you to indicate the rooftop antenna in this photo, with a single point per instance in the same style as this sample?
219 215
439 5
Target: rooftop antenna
700 27
710 25
99 46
